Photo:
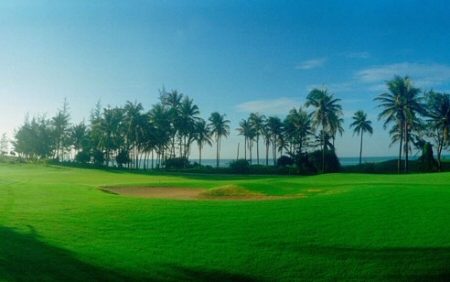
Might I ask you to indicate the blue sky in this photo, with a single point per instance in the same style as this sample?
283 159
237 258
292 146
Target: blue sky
235 57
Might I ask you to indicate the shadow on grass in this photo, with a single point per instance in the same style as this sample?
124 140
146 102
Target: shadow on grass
25 258
181 273
372 264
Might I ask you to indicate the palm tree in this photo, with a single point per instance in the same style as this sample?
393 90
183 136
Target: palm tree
438 105
109 129
172 101
257 121
401 105
361 125
79 135
220 128
267 138
248 131
203 137
326 114
160 127
298 128
323 140
150 139
282 142
134 122
106 131
275 127
187 119
60 125
336 127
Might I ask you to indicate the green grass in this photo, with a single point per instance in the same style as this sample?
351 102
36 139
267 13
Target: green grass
56 225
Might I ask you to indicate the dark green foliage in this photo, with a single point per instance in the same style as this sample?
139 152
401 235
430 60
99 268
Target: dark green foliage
427 161
285 161
83 157
389 167
99 157
240 166
304 165
115 134
182 162
123 158
34 139
331 161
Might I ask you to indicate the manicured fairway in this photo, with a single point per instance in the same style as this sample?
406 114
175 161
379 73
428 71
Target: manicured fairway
56 225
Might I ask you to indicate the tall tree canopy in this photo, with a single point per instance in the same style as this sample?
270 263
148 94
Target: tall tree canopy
326 114
360 125
219 128
401 105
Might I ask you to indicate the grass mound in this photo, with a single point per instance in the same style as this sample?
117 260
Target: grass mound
229 190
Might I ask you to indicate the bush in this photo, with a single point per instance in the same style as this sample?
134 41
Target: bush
99 157
331 161
83 157
360 168
122 158
285 161
427 160
239 166
181 162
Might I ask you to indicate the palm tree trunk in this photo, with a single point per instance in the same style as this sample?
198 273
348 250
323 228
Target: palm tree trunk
257 149
439 151
406 147
250 147
274 150
400 150
360 148
245 148
323 150
200 155
217 154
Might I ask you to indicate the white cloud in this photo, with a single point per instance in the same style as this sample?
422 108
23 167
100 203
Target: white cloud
424 75
311 64
280 106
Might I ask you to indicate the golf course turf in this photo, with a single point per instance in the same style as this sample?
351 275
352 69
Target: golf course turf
58 224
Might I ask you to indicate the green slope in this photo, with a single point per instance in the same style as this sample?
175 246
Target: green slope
55 225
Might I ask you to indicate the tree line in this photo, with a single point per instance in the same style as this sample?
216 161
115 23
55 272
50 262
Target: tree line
122 135
125 136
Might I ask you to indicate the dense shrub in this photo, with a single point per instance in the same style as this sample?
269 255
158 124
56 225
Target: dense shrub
99 157
239 166
83 157
7 159
123 157
361 168
285 161
427 161
331 161
177 163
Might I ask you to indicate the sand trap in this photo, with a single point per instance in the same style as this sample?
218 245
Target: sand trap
184 194
157 192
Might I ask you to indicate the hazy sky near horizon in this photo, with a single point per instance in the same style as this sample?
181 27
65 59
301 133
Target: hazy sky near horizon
234 57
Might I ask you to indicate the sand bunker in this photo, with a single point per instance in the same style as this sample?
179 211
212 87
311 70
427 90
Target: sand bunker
184 194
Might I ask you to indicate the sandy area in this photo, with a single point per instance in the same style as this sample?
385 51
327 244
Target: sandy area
183 194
